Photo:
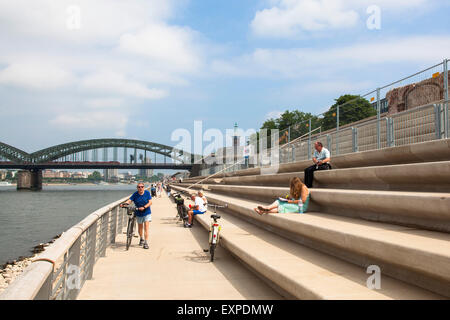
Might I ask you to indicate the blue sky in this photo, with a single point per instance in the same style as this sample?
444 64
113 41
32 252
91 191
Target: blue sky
142 68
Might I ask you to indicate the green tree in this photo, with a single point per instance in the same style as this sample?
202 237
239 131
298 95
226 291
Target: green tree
351 108
95 176
298 122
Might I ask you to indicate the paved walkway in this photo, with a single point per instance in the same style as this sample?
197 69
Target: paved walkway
175 266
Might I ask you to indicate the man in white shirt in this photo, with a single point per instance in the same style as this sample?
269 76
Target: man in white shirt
321 159
200 207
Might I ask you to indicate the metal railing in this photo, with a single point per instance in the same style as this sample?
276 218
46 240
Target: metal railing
59 272
426 122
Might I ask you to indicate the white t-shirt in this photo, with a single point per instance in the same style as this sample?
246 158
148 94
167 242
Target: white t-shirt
201 204
322 155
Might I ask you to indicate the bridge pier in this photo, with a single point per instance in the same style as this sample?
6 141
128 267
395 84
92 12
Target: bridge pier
29 180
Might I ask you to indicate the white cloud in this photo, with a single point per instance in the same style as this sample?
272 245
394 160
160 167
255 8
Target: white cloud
35 76
104 103
101 20
169 46
115 83
291 18
273 114
319 62
98 121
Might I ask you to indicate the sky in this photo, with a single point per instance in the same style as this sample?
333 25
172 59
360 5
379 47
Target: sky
140 69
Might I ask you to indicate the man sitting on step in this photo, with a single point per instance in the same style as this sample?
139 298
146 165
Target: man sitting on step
321 161
200 207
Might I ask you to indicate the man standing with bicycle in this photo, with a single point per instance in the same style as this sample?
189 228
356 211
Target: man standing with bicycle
142 200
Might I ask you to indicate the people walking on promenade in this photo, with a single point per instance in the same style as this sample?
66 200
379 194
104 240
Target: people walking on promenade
142 200
321 159
296 202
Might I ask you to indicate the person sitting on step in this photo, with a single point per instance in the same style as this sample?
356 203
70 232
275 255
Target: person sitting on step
200 207
296 202
321 159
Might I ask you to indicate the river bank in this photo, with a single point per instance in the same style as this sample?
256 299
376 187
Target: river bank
30 220
11 270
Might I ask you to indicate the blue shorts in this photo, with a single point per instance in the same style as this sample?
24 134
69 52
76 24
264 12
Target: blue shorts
141 220
198 212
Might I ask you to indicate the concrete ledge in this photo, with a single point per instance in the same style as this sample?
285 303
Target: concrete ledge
427 176
29 283
301 272
417 256
413 209
430 151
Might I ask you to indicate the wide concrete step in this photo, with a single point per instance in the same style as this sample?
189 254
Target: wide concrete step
299 272
430 151
427 176
417 256
425 210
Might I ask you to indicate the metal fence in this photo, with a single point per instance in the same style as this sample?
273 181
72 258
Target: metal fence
422 114
59 272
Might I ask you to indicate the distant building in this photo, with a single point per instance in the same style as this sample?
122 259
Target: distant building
111 174
147 173
128 176
80 175
384 107
49 174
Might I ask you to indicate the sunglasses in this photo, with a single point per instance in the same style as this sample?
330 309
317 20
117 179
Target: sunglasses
140 186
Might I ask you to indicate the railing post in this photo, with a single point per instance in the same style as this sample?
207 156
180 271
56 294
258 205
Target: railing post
355 139
438 121
289 135
391 123
337 130
389 132
293 153
91 247
46 290
378 119
446 117
73 282
329 142
309 140
104 233
114 224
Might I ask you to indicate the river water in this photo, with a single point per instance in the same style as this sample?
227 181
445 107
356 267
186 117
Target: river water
29 218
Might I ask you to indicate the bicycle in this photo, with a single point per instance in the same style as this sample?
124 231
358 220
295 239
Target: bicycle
214 231
131 209
181 208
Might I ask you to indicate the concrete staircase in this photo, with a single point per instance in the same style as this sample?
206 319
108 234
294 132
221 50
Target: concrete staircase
394 215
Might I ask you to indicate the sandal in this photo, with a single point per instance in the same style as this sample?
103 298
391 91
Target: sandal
262 209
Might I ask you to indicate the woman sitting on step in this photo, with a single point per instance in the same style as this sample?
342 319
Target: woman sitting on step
297 202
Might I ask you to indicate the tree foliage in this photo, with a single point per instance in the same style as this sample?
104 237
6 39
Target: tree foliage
95 176
297 121
351 109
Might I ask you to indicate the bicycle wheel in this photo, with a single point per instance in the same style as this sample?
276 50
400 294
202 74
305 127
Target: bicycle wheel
212 248
130 229
179 213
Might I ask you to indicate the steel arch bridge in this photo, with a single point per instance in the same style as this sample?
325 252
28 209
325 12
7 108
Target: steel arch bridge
59 151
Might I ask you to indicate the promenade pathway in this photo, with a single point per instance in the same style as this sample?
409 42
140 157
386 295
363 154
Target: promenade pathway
175 266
